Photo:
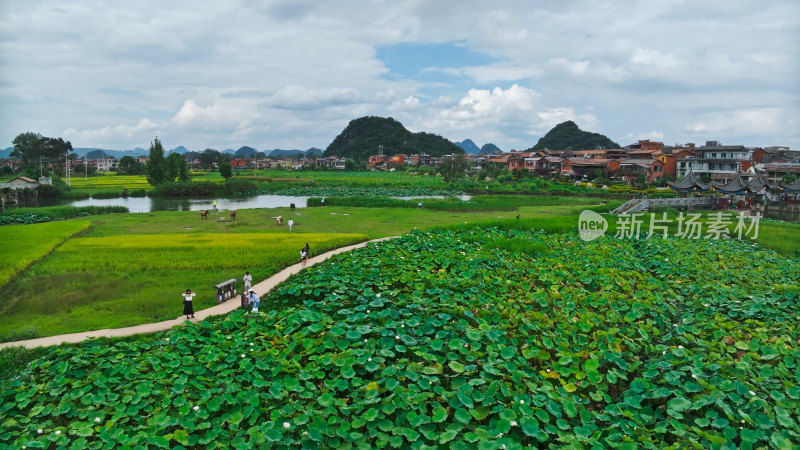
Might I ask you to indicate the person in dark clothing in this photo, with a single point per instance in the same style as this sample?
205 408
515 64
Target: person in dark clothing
188 308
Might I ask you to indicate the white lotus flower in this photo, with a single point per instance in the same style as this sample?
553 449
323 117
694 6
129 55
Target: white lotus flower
286 425
396 336
379 295
522 402
242 355
96 420
39 431
58 431
752 393
196 408
513 423
680 347
251 344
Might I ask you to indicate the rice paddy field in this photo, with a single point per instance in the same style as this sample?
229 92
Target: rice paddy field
107 182
115 281
24 244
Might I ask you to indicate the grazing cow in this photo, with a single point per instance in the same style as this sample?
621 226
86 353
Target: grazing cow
279 219
233 214
291 205
204 214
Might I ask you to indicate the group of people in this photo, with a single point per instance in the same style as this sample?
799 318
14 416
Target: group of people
252 298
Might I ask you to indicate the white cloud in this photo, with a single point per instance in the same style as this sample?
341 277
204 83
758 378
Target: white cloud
652 136
743 122
553 116
295 72
143 127
302 97
409 103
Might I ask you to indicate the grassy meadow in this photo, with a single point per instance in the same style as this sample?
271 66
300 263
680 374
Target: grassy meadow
115 281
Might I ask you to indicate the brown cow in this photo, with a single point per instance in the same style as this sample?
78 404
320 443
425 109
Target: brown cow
233 214
204 214
279 219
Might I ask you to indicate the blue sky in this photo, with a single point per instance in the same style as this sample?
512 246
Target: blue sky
292 74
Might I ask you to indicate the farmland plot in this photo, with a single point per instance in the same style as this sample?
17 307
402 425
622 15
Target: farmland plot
114 281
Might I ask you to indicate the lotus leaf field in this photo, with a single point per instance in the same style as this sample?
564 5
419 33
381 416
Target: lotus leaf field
469 338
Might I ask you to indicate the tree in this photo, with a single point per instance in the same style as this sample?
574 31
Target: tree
129 165
209 157
177 168
28 148
789 178
453 168
33 148
349 165
157 165
225 171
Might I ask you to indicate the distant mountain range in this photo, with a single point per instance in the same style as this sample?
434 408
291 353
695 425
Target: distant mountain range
243 152
472 149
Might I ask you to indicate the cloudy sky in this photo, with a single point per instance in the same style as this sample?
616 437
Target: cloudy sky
292 74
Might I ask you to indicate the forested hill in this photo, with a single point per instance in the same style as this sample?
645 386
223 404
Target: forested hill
567 136
364 137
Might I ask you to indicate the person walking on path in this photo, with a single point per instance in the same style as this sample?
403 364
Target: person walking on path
248 280
304 255
215 206
291 224
188 308
254 301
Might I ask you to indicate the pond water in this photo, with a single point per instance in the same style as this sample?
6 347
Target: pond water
148 204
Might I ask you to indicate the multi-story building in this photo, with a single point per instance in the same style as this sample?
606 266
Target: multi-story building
719 162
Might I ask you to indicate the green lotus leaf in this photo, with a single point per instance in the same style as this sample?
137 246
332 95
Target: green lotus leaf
462 415
678 404
371 414
456 367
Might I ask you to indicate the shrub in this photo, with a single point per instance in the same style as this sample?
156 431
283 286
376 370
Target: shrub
237 186
190 189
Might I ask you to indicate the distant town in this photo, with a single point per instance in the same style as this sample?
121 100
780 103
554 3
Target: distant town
650 160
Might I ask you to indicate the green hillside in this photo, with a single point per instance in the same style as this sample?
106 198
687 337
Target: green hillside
567 136
368 136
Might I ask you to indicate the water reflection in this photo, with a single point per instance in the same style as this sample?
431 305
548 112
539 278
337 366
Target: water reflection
148 204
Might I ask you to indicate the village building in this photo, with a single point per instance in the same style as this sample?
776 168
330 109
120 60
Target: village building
721 163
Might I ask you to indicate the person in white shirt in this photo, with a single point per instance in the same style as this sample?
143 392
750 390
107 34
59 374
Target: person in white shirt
248 279
291 224
188 308
254 300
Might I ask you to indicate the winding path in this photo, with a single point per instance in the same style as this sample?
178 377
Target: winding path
223 308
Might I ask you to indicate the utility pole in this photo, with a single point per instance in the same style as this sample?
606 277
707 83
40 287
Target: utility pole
69 181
